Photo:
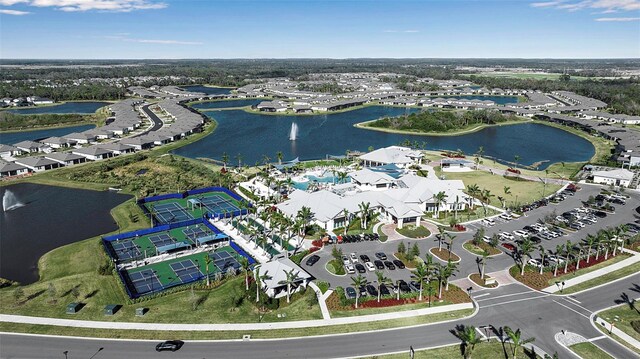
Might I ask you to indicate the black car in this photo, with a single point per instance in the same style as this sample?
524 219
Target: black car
535 239
365 258
398 263
384 290
378 264
350 293
312 260
381 256
404 287
600 214
389 265
360 268
617 201
172 345
372 291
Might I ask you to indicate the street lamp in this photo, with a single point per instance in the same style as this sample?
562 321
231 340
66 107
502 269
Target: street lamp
66 353
560 285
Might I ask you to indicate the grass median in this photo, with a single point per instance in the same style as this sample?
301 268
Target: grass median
491 350
589 351
237 334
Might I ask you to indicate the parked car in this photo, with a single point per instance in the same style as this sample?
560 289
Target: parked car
381 256
171 345
389 265
370 266
505 216
353 257
535 239
350 292
365 258
520 233
360 268
486 239
312 260
372 291
384 290
488 222
534 262
404 287
378 264
398 263
509 246
350 268
345 260
555 259
506 236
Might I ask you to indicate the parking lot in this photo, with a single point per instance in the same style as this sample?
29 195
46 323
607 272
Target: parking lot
623 214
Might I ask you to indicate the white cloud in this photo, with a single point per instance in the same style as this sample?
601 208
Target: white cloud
14 12
604 5
618 19
87 5
546 4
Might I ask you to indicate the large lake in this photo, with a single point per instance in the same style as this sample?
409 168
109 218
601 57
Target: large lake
208 89
255 135
63 108
50 218
9 138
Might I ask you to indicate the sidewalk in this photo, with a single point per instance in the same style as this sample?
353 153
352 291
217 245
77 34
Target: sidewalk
322 300
595 274
230 327
622 335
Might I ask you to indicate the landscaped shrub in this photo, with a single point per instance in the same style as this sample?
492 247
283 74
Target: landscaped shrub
317 243
635 324
314 249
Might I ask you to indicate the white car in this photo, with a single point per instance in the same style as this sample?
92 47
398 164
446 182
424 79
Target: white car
487 239
488 222
555 259
521 233
507 236
350 268
345 260
505 216
534 262
354 258
370 267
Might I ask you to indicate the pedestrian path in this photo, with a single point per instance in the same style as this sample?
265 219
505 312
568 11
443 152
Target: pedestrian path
322 300
234 326
613 330
594 274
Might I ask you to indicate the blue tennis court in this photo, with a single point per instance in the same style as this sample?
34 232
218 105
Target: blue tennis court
145 281
194 233
125 250
224 260
161 239
170 212
186 271
218 204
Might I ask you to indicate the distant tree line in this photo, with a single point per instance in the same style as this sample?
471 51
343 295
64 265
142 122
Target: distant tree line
11 121
441 121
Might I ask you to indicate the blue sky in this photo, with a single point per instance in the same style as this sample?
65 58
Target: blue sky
123 29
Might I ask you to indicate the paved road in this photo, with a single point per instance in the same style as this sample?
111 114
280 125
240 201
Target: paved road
537 314
157 122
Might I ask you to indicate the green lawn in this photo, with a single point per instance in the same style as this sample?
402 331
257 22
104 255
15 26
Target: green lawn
262 334
606 278
395 308
570 275
522 191
479 249
589 351
484 350
624 315
412 231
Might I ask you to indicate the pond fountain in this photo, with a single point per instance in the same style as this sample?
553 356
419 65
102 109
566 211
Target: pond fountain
293 133
10 202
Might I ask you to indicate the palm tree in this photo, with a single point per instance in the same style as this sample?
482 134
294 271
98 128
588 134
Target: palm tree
559 251
342 177
542 254
483 260
516 339
336 253
569 251
526 247
364 213
382 280
451 238
438 198
279 156
441 234
450 269
580 248
260 279
420 274
431 291
358 282
486 199
441 275
305 215
239 159
244 264
207 261
345 213
290 279
225 160
473 191
470 339
590 241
